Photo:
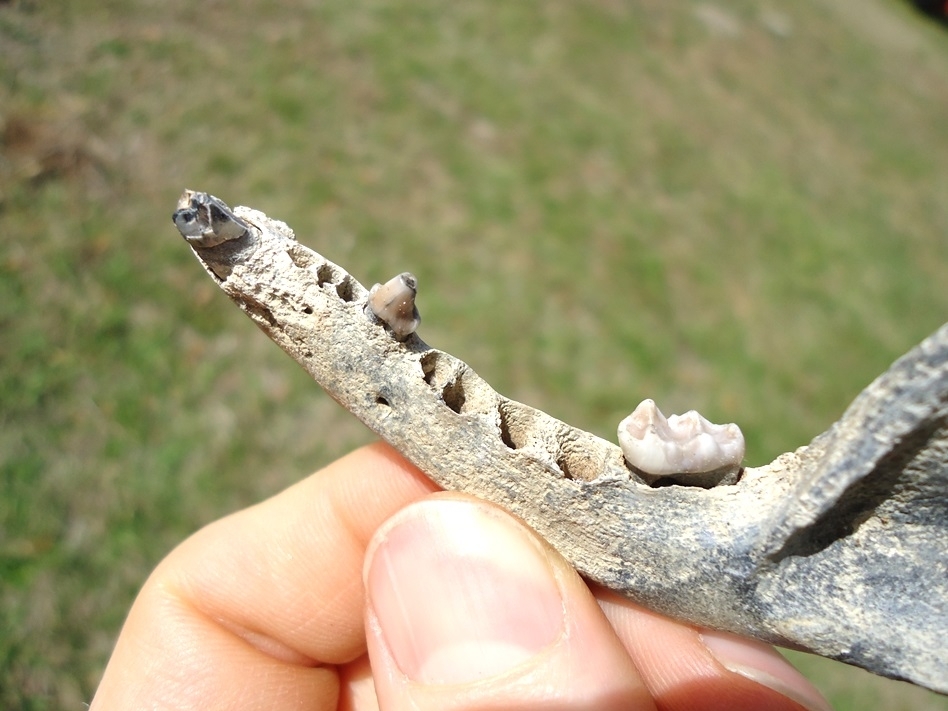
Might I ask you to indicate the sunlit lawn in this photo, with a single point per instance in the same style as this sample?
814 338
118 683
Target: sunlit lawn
739 208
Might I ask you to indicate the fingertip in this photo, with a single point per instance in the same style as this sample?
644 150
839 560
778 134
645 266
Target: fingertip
763 665
686 668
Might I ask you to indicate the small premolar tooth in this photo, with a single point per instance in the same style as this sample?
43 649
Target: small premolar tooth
680 444
206 221
394 303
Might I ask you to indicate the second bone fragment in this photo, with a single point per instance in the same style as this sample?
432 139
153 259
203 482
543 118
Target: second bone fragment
685 449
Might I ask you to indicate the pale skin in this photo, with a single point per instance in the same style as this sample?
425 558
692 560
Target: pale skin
363 587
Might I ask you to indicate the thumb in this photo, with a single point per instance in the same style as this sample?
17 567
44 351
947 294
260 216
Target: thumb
468 609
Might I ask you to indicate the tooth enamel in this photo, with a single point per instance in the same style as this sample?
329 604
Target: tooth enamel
680 444
394 303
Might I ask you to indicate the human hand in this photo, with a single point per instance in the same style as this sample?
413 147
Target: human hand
358 589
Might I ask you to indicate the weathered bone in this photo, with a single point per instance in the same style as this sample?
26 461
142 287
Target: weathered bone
839 548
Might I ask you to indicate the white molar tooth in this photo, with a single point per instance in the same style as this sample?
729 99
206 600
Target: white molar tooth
687 426
680 444
698 451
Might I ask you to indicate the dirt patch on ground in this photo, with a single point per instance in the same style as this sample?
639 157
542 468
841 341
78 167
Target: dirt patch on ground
36 149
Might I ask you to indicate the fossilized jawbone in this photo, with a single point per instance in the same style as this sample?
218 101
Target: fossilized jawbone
839 548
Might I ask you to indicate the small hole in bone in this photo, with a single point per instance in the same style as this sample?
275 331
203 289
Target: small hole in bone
429 364
345 289
453 395
307 310
583 456
325 274
505 430
439 368
259 312
301 257
515 423
563 463
458 386
382 400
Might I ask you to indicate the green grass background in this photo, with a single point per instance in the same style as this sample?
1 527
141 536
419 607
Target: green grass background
738 207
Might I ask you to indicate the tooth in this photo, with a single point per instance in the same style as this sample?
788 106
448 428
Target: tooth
394 303
680 444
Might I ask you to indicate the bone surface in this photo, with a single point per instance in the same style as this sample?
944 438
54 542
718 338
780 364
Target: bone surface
839 548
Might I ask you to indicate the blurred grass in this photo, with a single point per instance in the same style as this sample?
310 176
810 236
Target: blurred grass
738 208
